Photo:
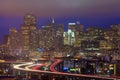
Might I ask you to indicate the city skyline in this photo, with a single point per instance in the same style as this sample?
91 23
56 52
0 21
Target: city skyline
60 39
45 21
89 13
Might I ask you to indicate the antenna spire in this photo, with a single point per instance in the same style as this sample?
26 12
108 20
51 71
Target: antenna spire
53 21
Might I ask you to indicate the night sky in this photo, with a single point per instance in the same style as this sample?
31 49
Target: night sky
101 13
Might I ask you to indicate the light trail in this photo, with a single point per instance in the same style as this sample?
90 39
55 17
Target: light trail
37 66
28 67
52 67
18 67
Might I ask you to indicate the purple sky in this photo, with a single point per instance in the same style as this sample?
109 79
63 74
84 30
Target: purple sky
83 8
88 12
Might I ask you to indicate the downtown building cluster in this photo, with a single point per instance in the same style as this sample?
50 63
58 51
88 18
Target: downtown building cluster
53 38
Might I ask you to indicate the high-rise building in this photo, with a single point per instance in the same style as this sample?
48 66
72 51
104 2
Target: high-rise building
112 38
43 39
93 40
90 45
116 29
94 33
72 26
6 40
4 48
59 37
34 40
79 34
78 38
69 38
78 30
25 29
60 30
79 27
51 34
14 42
47 36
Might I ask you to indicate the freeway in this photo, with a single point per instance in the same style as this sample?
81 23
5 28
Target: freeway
52 66
28 68
37 66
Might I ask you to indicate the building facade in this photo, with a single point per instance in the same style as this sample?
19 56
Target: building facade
25 29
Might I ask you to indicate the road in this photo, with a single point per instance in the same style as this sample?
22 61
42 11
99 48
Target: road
32 67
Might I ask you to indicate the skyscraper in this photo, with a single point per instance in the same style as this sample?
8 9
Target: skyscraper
47 36
14 41
34 40
72 27
59 37
79 34
25 29
79 27
69 37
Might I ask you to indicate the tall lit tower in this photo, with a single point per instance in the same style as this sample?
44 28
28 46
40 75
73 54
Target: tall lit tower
47 36
51 34
69 37
72 26
59 37
14 41
28 26
79 27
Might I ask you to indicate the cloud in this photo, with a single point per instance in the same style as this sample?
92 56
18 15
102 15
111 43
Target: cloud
59 7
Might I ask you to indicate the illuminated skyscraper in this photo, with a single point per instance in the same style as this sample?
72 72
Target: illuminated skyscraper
79 27
47 36
116 28
112 38
59 37
69 37
72 26
4 48
94 33
25 29
14 41
34 40
79 34
60 30
51 34
43 38
78 30
6 40
93 39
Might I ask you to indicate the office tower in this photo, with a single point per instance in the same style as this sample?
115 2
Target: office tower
78 30
34 40
25 29
94 32
60 30
90 45
93 40
77 39
59 37
79 34
4 48
51 35
47 36
112 38
72 26
14 41
43 38
79 27
109 35
69 37
116 29
6 40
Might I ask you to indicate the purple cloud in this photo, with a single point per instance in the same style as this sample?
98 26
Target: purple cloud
60 7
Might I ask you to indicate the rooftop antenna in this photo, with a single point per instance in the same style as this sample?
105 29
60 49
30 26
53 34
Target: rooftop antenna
53 21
